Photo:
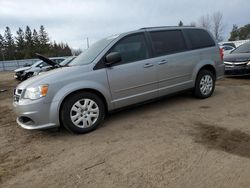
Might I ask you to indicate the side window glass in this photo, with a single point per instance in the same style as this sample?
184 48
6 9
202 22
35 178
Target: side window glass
168 42
132 48
199 38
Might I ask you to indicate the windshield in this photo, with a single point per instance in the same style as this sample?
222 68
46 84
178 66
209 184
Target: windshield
91 53
67 61
244 48
37 63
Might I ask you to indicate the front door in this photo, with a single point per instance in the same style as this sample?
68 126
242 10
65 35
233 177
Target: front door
134 79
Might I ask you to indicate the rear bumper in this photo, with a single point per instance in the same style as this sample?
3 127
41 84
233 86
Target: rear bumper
220 71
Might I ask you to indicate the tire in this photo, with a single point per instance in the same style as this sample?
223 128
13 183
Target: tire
82 112
204 84
28 75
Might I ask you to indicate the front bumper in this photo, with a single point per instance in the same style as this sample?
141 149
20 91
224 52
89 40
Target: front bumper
33 114
237 70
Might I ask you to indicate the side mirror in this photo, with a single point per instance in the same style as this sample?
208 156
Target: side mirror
112 58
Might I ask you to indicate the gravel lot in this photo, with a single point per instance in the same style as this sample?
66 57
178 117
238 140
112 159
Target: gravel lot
178 141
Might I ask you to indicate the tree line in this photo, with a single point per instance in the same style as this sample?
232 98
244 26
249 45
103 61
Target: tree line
26 43
241 33
214 23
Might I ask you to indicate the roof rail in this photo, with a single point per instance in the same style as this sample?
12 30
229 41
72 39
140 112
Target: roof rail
159 27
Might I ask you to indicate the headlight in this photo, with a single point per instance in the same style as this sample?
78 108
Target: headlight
36 92
248 63
35 73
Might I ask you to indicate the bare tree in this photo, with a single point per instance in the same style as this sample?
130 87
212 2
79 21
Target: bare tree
218 26
205 22
193 24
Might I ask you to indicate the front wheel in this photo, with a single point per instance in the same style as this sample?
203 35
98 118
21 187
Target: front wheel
28 75
205 84
82 112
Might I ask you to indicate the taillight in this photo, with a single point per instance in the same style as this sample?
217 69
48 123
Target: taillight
221 54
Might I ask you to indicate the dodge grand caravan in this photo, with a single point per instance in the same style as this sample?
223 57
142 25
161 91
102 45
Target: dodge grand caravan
118 71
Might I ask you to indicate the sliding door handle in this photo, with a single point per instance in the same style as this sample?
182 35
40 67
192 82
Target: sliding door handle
162 62
147 65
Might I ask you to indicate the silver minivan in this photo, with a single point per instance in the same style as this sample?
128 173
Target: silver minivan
119 71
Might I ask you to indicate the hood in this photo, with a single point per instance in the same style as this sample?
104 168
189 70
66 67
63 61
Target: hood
47 60
238 57
22 69
54 76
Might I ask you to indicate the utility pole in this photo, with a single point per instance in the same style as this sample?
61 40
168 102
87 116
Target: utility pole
87 42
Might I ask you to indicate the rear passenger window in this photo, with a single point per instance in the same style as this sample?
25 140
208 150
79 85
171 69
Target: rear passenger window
132 48
168 42
199 38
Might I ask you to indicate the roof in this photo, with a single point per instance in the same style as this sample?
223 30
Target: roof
168 27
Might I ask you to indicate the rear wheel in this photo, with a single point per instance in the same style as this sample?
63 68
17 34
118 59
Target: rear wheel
82 112
205 84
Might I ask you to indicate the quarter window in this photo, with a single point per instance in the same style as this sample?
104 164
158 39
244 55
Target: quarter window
199 38
168 42
132 48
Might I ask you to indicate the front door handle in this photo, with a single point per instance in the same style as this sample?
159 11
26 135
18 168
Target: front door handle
162 62
147 65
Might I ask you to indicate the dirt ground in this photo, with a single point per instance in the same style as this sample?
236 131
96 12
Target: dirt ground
178 141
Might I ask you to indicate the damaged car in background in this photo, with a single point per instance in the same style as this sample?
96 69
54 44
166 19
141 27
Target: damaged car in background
237 63
53 65
43 65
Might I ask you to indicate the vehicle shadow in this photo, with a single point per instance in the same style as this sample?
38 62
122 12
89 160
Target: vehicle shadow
231 141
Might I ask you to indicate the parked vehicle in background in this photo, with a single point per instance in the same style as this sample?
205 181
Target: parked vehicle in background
28 71
238 61
53 66
119 71
234 44
227 49
227 44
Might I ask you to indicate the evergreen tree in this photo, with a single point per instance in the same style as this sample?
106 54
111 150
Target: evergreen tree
180 24
2 50
234 33
28 43
36 42
44 40
241 33
20 44
9 44
244 32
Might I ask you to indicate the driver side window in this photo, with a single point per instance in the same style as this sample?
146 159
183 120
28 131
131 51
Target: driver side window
132 48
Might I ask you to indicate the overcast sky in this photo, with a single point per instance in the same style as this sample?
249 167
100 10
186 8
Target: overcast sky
72 21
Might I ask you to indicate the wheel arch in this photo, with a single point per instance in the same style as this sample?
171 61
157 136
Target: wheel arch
204 65
90 90
208 67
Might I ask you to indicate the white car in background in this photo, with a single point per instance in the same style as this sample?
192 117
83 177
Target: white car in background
227 49
39 66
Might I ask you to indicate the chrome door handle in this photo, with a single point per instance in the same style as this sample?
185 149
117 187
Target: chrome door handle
147 65
162 62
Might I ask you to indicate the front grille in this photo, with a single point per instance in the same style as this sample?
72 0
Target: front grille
17 94
235 63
